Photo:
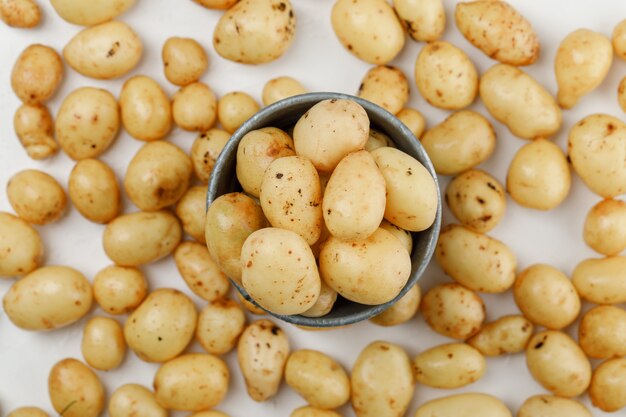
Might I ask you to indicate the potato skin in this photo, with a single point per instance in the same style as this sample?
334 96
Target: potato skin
464 405
36 197
34 127
548 405
23 14
602 332
72 382
94 191
119 289
425 20
453 311
205 151
608 385
92 12
134 400
184 60
145 109
451 365
601 281
21 247
37 74
103 345
508 334
386 86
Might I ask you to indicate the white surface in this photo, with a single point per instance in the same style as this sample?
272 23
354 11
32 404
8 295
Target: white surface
318 60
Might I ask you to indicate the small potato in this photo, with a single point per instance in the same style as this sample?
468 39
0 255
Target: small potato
191 382
87 122
21 248
92 12
119 289
404 236
605 227
139 238
105 51
36 197
548 405
210 413
602 332
162 326
94 191
608 385
464 405
386 86
103 344
476 261
308 411
184 60
402 310
34 127
220 324
558 364
621 94
145 108
582 62
377 139
36 74
508 334
452 365
414 120
619 40
136 401
369 29
256 151
250 306
280 88
157 176
601 281
194 107
477 200
382 381
191 211
28 412
518 101
234 108
200 271
539 176
216 4
75 390
453 311
445 76
425 20
324 303
20 13
48 298
205 150
498 30
462 141
255 31
262 353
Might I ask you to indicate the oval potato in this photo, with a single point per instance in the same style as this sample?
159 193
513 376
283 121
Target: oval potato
220 323
508 334
91 12
28 412
191 211
602 332
386 86
145 109
234 108
205 151
94 191
119 289
464 405
601 281
548 405
200 272
194 107
308 411
608 385
184 60
619 40
605 227
75 390
324 303
280 88
453 311
402 310
425 20
36 197
414 120
20 13
134 400
36 74
103 345
452 365
21 247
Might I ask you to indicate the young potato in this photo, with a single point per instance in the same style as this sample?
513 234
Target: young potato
369 29
462 141
234 108
216 4
34 127
476 261
280 88
549 405
162 326
36 197
262 353
402 310
601 281
23 14
194 107
382 381
87 122
75 390
28 412
139 238
453 311
452 365
621 94
119 289
404 236
105 51
518 101
445 76
200 271
308 411
184 60
145 108
425 20
250 306
255 31
220 324
558 364
602 332
414 120
582 62
539 176
508 334
36 74
210 413
191 211
386 86
134 400
619 40
608 385
464 405
605 227
498 30
477 200
191 382
318 378
324 303
94 191
48 298
377 139
256 151
92 12
21 248
103 344
205 151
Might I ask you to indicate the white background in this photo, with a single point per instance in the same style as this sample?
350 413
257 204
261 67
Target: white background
317 59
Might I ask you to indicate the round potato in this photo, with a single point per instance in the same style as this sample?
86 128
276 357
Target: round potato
103 344
94 191
194 107
191 211
75 390
548 405
145 108
91 12
602 332
619 40
200 271
36 74
386 86
205 150
425 20
280 88
134 400
605 227
452 365
21 248
234 108
464 405
28 412
119 289
601 281
184 60
608 385
453 311
508 334
20 13
220 324
324 303
308 411
34 128
402 310
36 197
215 4
414 120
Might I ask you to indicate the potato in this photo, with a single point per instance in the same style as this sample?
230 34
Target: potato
216 4
548 405
405 237
139 238
519 102
200 271
462 141
597 151
621 94
191 382
87 122
539 176
307 411
103 344
184 60
582 62
34 127
402 310
464 405
262 352
28 412
36 197
558 364
256 151
477 200
414 120
452 365
94 191
377 139
324 303
608 385
205 150
602 332
508 334
36 74
105 51
92 12
157 176
445 76
601 281
382 381
145 108
605 227
386 86
255 31
21 248
75 390
369 29
134 400
476 261
194 107
619 40
234 108
162 326
280 88
498 30
20 13
191 211
210 413
250 306
119 289
425 20
220 324
453 311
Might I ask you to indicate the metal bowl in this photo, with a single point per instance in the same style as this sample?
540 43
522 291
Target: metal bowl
286 113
